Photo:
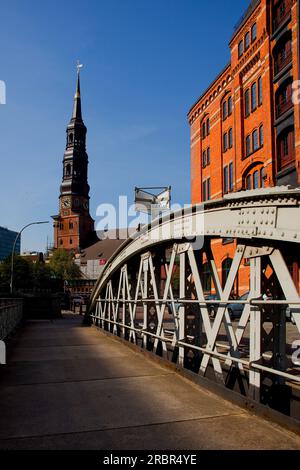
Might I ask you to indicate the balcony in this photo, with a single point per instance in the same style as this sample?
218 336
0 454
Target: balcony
282 14
283 107
280 64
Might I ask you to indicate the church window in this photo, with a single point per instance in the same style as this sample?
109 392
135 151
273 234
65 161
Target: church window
68 170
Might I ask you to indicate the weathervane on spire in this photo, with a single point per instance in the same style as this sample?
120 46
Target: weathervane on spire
78 66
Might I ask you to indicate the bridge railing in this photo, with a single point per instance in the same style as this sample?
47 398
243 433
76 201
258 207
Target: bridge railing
141 333
11 314
155 294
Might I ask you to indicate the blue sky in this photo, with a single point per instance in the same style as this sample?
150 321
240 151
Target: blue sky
146 62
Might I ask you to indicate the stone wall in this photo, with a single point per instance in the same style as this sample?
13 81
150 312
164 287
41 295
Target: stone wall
11 314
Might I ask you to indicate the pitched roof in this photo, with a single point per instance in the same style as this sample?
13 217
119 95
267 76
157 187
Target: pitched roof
105 248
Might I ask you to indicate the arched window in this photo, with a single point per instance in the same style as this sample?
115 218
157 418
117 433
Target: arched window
256 182
248 145
241 48
261 136
71 138
247 103
247 41
226 266
208 127
225 178
229 105
205 128
254 32
248 180
224 110
228 183
255 144
68 170
262 176
204 161
225 142
254 177
254 97
230 138
208 156
206 190
260 91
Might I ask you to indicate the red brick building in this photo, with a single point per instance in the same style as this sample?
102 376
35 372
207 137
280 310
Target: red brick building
245 128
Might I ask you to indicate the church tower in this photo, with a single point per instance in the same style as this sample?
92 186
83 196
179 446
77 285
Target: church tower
74 227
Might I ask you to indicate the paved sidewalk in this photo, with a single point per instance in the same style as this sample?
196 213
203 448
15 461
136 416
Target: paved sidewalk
69 387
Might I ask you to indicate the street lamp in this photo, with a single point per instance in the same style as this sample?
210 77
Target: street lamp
13 251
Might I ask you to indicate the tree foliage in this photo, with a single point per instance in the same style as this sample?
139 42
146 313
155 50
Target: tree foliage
63 266
22 274
39 276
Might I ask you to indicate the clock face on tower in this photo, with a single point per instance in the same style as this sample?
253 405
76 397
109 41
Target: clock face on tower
66 203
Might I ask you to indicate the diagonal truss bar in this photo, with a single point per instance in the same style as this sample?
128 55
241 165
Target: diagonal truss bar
213 333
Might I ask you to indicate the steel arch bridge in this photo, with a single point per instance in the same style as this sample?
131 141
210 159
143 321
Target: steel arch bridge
152 293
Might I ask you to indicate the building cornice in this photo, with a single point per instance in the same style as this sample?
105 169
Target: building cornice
211 93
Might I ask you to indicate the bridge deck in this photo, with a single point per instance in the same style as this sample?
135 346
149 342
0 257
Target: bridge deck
68 387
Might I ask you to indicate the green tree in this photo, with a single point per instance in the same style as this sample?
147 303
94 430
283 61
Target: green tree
42 276
22 276
63 266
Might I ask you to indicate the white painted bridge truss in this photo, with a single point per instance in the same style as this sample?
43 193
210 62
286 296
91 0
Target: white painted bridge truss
152 291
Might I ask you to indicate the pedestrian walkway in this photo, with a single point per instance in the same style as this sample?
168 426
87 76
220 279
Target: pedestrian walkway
70 387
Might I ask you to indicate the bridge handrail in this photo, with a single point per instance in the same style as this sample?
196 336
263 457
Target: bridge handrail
226 357
11 314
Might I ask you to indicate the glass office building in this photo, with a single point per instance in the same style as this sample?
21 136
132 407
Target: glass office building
7 239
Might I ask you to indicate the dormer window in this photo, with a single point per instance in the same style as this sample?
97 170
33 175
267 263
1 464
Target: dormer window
247 41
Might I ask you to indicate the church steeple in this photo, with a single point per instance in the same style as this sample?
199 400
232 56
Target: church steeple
77 99
74 227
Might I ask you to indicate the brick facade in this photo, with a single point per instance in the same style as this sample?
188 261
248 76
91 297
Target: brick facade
245 128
